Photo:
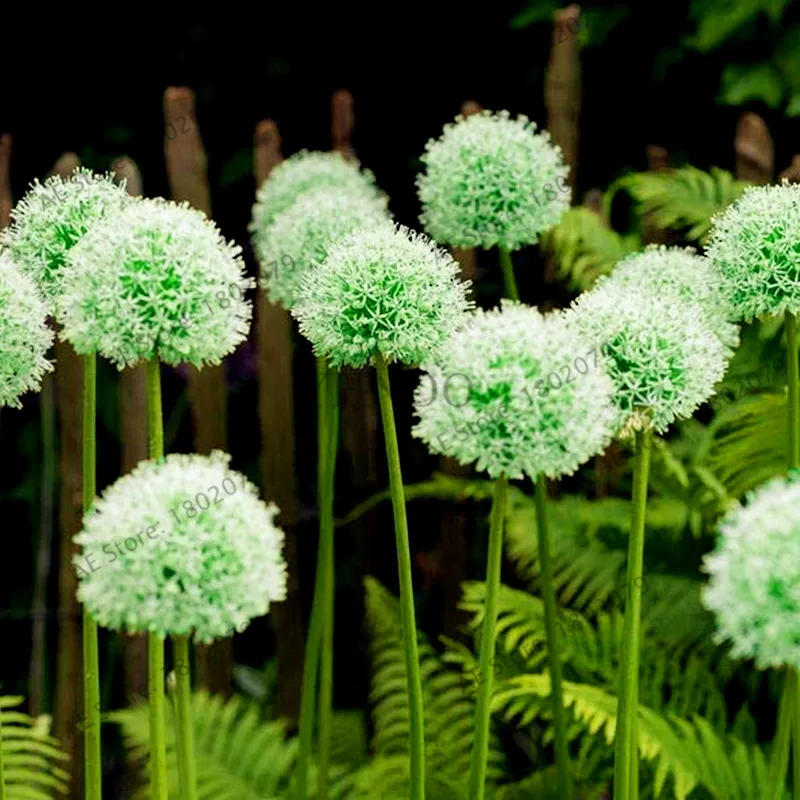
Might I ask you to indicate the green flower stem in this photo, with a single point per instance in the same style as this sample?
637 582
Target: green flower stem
792 686
155 644
320 625
625 751
155 420
330 443
509 282
91 651
794 397
494 562
417 720
553 645
779 761
187 766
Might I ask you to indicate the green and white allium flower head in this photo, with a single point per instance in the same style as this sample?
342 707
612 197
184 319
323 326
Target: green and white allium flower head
205 570
51 219
300 236
663 357
156 279
483 400
25 336
755 245
383 290
492 180
302 172
754 589
681 271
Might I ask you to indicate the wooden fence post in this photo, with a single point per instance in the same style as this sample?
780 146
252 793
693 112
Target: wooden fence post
188 180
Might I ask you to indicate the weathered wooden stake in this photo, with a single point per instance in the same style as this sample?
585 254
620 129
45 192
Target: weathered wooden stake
188 180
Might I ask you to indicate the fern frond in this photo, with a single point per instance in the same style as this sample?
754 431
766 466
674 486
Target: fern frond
589 542
683 199
584 248
684 680
747 442
31 756
687 753
239 756
449 709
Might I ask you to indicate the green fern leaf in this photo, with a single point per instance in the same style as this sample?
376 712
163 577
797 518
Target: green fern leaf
239 756
584 248
747 442
683 199
683 679
31 757
449 709
686 753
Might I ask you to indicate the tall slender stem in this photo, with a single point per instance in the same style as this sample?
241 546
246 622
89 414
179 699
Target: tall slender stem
779 758
509 281
91 650
187 766
322 603
792 679
553 644
794 395
494 562
155 644
155 418
627 707
326 526
416 718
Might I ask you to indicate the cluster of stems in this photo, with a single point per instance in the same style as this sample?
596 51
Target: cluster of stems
480 746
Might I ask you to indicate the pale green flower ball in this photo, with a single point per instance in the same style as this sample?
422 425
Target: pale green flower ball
157 279
662 356
754 589
181 547
755 245
300 173
669 271
383 290
491 180
51 219
300 236
489 398
25 336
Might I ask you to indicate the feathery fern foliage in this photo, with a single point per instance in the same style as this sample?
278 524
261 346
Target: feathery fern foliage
449 708
584 247
683 199
239 756
31 756
687 753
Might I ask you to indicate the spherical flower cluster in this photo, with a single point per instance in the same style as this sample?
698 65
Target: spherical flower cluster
488 397
662 357
52 217
303 171
754 589
24 335
384 289
300 236
755 245
681 272
492 180
157 279
180 547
